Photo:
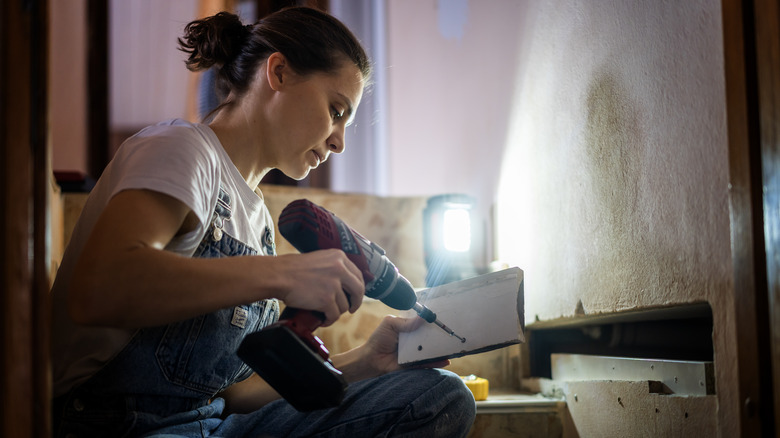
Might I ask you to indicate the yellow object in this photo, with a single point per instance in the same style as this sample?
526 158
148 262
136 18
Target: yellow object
477 385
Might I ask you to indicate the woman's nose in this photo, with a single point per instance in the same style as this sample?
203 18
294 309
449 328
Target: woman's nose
336 142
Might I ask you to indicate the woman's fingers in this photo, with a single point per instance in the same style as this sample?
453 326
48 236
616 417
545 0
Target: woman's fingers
329 283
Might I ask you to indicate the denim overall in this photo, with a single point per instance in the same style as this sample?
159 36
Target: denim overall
170 374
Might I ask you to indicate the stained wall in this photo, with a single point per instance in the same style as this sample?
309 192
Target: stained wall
613 193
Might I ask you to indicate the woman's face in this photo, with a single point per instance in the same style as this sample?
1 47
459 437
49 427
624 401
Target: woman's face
310 117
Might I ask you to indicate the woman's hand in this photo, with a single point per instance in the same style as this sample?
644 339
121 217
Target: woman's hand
379 355
325 281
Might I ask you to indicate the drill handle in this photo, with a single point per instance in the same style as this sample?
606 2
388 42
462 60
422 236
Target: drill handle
308 320
303 323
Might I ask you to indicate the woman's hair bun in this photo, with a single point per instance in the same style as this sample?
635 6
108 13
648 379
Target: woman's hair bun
214 40
309 39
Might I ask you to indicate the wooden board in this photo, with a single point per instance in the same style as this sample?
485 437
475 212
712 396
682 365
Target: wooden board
634 409
486 310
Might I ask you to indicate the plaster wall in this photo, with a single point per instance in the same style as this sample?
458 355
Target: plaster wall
450 80
613 194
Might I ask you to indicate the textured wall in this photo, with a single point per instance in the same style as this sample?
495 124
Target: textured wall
614 187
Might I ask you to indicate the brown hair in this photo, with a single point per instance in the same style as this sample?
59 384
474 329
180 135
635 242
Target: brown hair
311 40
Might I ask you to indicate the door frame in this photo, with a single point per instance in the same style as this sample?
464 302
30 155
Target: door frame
25 304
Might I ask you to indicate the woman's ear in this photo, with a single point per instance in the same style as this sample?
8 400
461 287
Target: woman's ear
276 70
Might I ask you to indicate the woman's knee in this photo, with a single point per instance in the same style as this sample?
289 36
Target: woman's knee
462 399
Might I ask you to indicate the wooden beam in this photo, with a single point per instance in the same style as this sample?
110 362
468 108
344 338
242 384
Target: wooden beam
42 178
24 401
747 236
463 306
15 192
767 23
636 408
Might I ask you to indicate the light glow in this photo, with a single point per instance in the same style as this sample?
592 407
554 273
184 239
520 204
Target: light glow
457 230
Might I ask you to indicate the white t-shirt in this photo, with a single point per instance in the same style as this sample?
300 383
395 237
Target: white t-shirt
177 158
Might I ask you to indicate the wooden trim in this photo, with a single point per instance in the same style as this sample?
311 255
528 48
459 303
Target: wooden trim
24 402
747 233
41 179
15 373
42 176
767 21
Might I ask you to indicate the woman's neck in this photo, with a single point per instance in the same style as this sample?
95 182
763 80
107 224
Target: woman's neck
235 129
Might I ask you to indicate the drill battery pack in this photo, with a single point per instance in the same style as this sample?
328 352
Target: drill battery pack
298 372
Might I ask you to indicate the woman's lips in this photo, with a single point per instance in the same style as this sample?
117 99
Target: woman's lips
319 158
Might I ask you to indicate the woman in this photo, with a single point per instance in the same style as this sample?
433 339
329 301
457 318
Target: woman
168 267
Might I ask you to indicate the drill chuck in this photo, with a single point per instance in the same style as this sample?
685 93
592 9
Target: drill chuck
392 288
424 312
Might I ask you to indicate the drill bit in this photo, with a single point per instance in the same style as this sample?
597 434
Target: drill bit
428 315
448 330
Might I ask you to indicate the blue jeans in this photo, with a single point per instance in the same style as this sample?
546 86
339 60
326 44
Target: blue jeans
410 403
165 382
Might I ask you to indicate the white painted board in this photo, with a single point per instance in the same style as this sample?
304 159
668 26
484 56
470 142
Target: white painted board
487 310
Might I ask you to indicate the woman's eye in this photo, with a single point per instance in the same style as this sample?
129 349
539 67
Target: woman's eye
336 114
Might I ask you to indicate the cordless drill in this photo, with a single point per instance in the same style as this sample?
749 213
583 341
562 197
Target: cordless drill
286 354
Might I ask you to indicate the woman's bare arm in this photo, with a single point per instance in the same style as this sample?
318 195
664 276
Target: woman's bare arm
124 278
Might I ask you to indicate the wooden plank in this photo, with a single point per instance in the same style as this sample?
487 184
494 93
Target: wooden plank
747 232
768 68
24 281
41 178
679 377
16 190
628 409
486 310
22 380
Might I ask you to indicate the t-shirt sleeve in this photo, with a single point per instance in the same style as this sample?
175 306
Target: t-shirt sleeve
175 160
